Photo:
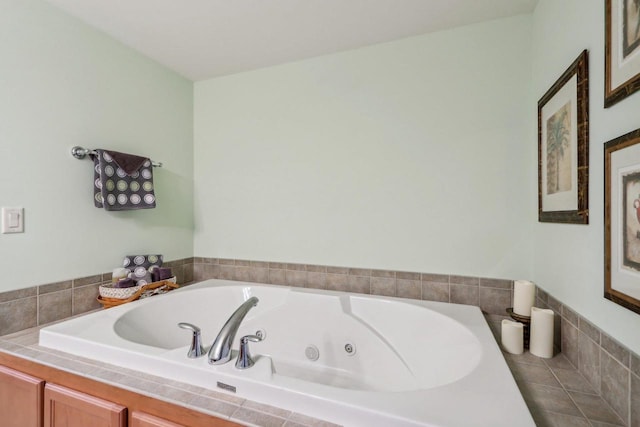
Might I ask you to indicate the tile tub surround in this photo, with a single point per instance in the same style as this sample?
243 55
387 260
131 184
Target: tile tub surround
608 369
39 305
493 296
611 370
24 344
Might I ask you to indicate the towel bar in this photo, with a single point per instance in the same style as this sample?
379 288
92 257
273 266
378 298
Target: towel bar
81 152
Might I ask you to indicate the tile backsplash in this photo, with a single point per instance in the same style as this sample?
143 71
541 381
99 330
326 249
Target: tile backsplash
39 305
610 368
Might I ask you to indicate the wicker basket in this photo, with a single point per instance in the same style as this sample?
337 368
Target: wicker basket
110 291
159 287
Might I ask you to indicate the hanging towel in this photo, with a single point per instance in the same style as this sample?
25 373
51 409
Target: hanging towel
122 181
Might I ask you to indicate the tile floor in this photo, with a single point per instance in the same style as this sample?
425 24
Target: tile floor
555 392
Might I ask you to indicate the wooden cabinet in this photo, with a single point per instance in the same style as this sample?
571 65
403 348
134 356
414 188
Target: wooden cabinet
140 419
64 407
35 395
20 399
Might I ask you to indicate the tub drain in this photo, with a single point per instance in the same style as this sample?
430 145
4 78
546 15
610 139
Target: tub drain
312 353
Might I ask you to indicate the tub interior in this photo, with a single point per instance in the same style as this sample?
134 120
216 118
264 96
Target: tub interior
352 336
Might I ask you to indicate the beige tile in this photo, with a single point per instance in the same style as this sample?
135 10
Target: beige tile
309 421
18 294
337 270
359 284
494 301
296 278
548 398
567 313
278 265
217 407
615 349
635 364
570 342
316 268
187 271
267 409
299 267
227 272
242 263
635 401
409 288
589 360
525 357
573 380
257 418
463 294
337 282
534 374
464 280
435 291
316 280
435 278
89 280
559 361
595 408
85 299
383 286
614 385
54 287
54 306
365 272
18 314
277 277
541 294
589 329
259 264
223 261
407 275
383 273
496 283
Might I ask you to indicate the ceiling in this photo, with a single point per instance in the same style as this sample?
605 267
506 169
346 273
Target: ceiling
201 39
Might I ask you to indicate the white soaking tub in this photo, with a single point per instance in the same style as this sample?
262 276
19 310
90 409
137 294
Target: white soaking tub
380 361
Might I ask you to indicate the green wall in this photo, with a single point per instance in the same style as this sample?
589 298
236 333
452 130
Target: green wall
62 84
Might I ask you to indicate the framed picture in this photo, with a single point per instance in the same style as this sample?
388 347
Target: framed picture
621 50
563 147
622 220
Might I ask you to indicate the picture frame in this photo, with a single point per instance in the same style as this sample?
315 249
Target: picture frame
563 147
622 220
622 50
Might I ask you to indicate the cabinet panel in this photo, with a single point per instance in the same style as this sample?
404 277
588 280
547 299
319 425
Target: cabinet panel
141 419
64 407
20 399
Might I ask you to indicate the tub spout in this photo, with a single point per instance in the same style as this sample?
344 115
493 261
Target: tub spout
220 351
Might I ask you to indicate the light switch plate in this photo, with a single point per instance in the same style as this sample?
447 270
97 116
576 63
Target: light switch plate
12 220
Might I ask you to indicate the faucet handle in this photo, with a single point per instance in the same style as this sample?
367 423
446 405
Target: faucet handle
244 360
196 349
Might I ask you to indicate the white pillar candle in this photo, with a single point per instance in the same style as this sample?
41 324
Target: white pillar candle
524 295
512 336
541 337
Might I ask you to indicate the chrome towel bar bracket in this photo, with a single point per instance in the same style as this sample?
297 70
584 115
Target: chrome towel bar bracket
81 152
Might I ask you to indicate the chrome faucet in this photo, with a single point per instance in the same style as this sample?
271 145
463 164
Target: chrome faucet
220 351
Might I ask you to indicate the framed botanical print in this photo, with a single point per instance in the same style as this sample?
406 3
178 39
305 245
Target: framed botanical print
622 220
563 147
622 50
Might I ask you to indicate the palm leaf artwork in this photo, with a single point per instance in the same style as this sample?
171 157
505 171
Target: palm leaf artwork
558 136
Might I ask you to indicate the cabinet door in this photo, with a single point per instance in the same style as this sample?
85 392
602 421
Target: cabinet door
64 407
20 399
140 419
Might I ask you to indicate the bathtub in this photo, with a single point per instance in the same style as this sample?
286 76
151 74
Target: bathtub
351 359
